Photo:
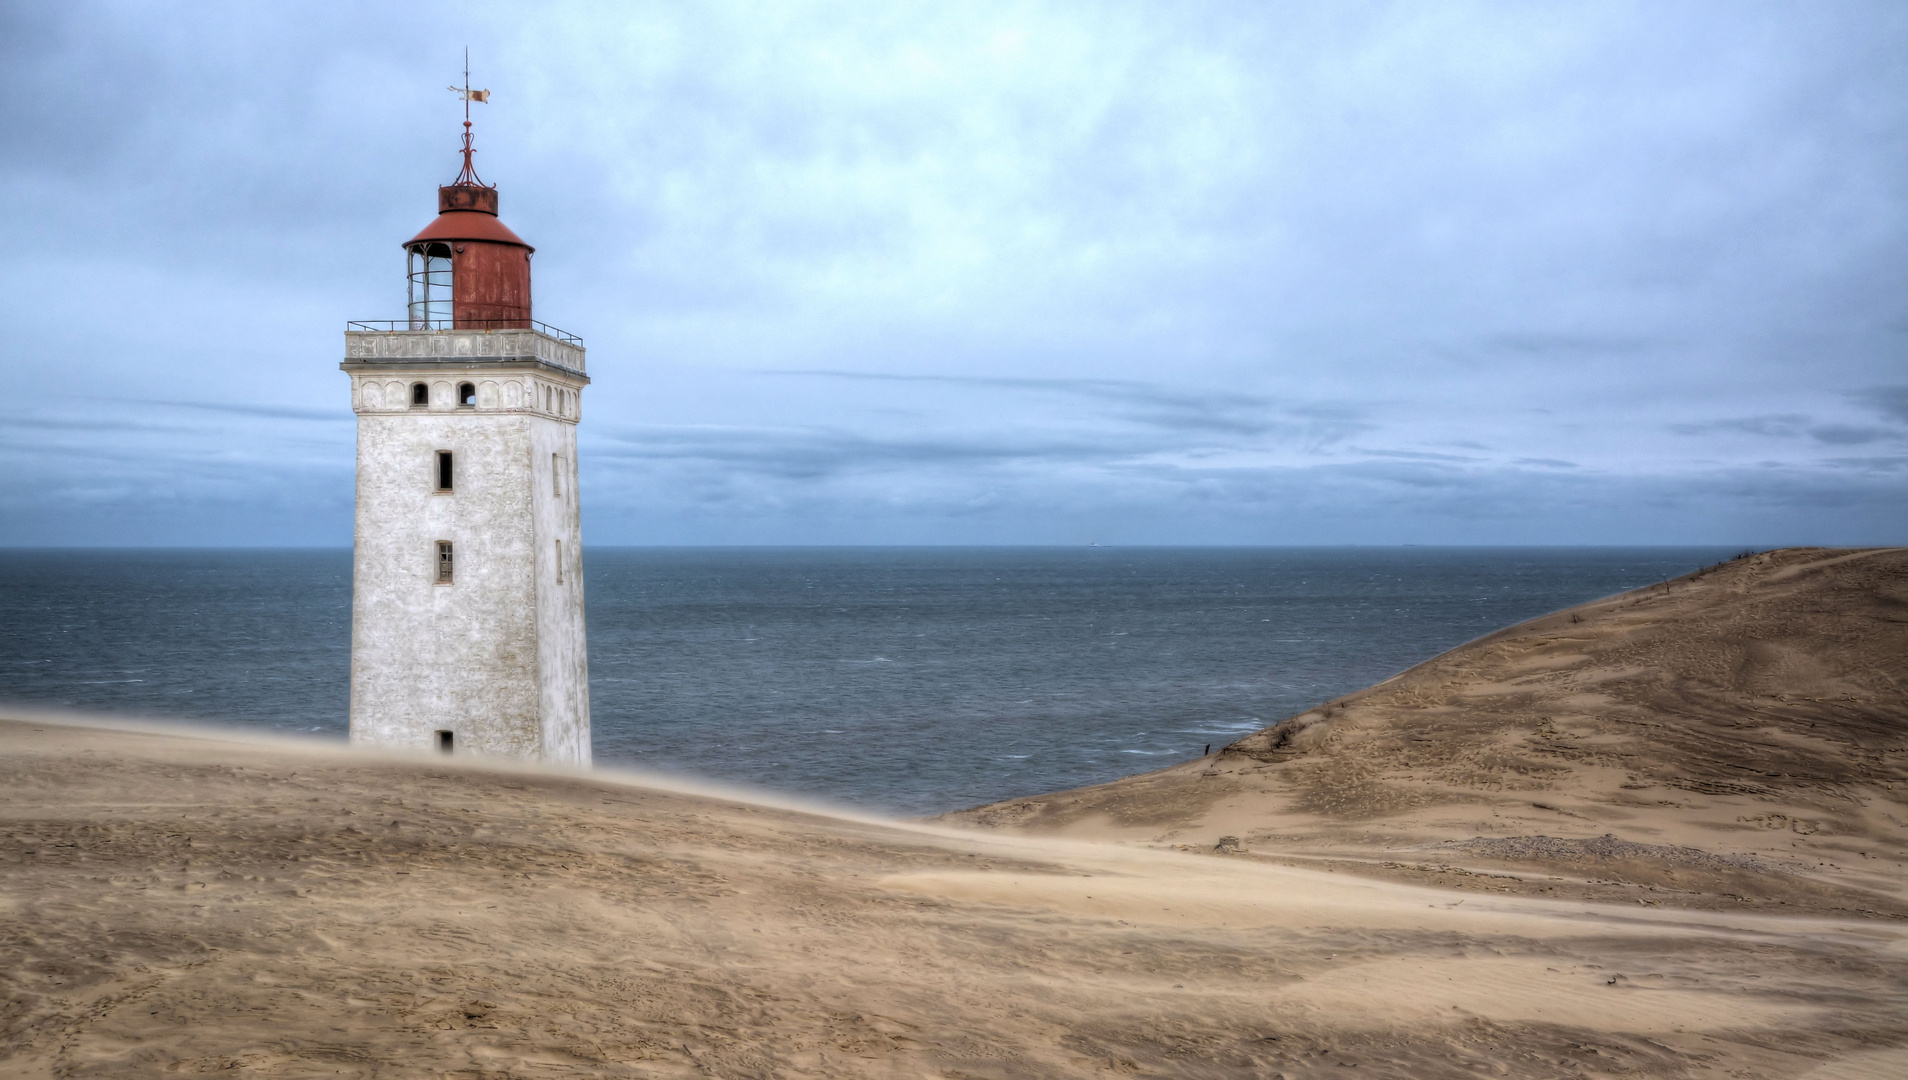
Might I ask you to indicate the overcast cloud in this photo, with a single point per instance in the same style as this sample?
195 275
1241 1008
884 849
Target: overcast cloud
995 273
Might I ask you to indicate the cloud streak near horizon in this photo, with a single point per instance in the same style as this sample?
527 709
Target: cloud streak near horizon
1235 273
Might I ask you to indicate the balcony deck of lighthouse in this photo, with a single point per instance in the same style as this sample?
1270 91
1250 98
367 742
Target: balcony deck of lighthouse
467 600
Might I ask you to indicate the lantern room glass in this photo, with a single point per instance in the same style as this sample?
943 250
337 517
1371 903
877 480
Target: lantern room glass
429 270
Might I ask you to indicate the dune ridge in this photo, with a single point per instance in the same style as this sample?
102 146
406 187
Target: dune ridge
1738 736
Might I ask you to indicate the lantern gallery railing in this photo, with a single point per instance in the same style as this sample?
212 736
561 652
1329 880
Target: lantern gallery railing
392 326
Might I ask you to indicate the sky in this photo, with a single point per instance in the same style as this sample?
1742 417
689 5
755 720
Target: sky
1014 273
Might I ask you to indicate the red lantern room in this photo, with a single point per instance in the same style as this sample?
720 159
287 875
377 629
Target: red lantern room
468 271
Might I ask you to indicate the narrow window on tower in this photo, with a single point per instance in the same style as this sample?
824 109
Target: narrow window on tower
467 394
443 562
420 395
444 471
556 474
559 544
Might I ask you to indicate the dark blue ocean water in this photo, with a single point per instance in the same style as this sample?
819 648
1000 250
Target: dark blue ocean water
898 679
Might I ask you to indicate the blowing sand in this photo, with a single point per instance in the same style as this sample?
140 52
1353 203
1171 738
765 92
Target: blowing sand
175 903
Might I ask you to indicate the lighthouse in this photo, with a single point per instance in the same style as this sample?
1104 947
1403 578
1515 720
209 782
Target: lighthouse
467 633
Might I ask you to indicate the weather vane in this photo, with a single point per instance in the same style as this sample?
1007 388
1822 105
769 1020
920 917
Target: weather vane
468 178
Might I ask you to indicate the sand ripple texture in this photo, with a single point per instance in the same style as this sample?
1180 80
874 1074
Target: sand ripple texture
173 905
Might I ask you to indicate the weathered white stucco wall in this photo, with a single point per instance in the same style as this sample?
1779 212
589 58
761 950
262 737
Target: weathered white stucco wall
498 656
562 653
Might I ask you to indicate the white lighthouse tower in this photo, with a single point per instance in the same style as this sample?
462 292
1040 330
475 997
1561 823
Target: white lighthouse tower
467 593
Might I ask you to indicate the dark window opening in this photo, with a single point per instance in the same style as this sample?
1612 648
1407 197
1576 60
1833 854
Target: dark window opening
466 393
443 470
420 394
443 562
444 739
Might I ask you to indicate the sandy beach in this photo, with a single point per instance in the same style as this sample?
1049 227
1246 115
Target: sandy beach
1659 835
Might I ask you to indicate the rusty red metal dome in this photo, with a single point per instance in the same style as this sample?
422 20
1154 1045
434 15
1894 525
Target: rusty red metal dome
466 212
487 286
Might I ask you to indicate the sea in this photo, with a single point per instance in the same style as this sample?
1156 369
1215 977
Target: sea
892 680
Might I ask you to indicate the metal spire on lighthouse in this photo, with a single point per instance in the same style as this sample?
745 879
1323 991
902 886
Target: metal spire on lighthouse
468 178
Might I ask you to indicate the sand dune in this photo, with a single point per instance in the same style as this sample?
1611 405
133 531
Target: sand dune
181 905
1726 751
1737 738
